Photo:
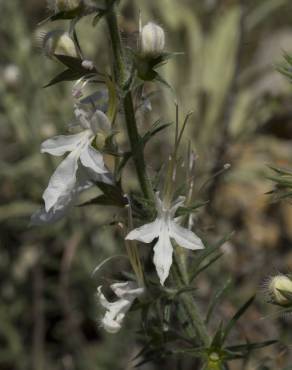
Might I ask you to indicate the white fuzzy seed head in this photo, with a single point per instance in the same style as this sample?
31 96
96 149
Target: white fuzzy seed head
59 43
276 285
152 39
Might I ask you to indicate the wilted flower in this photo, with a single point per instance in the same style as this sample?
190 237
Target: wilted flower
63 205
152 40
85 180
127 292
64 179
280 287
165 227
58 42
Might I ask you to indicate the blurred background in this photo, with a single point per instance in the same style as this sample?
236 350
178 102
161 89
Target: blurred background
242 116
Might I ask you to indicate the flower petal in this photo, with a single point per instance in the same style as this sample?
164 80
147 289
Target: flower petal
146 233
82 117
176 204
64 203
110 324
116 311
100 123
92 159
184 237
163 255
62 181
42 217
59 145
127 290
101 297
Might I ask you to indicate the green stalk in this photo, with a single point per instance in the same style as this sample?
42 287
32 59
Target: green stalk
121 76
188 305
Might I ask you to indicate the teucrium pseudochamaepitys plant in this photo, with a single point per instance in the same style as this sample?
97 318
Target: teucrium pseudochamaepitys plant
161 214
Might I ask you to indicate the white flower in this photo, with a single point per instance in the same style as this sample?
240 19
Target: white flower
126 292
165 227
152 39
68 200
64 179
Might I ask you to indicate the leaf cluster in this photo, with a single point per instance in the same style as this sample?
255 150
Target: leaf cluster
282 180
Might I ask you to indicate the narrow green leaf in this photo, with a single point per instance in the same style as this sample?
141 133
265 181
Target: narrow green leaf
252 346
216 299
218 338
201 256
66 15
102 200
161 80
236 317
182 211
156 128
281 171
72 63
123 162
208 264
144 141
67 75
113 192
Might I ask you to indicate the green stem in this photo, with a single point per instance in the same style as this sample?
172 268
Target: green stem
121 78
137 147
188 304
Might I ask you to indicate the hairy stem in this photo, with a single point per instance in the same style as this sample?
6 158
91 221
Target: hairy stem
189 307
188 304
121 78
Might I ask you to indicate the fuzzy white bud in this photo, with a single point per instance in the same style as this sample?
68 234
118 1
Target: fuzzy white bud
11 76
59 43
276 285
152 39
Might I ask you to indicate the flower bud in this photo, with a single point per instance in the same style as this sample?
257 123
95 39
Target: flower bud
11 76
214 361
278 285
64 5
59 43
152 40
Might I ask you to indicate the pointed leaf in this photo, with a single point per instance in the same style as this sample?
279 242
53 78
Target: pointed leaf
217 296
160 79
102 200
218 338
204 267
252 346
182 211
74 64
113 192
67 75
66 14
236 317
